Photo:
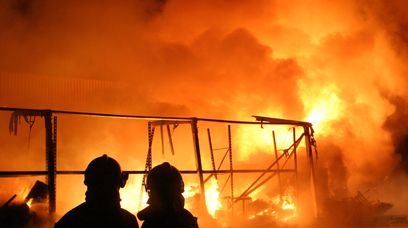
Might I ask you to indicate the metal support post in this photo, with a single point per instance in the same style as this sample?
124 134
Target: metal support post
51 157
277 166
231 168
170 139
295 163
212 153
148 163
309 152
194 130
162 138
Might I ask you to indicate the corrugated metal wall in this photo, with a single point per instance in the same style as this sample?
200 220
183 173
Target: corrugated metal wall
24 90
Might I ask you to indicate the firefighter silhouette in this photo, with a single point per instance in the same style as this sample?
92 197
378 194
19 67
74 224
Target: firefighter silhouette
103 178
165 186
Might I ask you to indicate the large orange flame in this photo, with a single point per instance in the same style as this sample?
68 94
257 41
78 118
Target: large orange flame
322 109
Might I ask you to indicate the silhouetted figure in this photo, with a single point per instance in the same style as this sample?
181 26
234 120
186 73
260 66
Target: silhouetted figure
166 203
103 178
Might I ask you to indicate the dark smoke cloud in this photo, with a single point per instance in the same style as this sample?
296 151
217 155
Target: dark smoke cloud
121 42
71 38
397 125
392 17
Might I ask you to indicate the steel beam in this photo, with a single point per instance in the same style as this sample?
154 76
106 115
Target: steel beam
50 140
199 165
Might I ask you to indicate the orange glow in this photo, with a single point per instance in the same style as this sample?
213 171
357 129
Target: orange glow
130 197
337 64
284 210
190 190
256 138
287 203
29 202
323 109
212 195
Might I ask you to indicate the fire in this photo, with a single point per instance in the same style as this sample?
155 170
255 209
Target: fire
130 195
212 195
30 202
287 205
342 60
259 138
190 190
324 108
283 209
264 212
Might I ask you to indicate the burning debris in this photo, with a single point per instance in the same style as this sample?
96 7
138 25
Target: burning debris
358 211
280 211
37 194
15 215
282 166
291 164
32 212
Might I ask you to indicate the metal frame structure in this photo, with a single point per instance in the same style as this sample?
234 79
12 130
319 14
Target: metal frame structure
50 120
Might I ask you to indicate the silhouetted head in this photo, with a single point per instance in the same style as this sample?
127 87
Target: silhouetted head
164 186
165 178
103 172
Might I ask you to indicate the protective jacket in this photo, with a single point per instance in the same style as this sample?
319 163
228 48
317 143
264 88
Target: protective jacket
88 216
167 219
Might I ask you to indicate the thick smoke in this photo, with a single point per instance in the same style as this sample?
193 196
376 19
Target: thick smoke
397 125
127 42
339 64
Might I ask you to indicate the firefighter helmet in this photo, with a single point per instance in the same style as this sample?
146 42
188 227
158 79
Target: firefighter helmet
105 171
165 177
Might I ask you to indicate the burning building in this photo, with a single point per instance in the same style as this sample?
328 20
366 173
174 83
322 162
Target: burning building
339 65
223 181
